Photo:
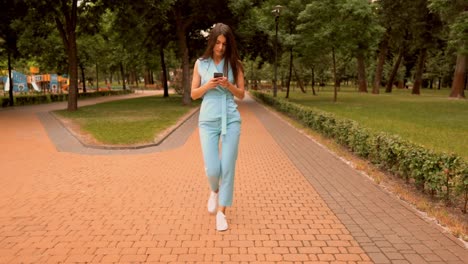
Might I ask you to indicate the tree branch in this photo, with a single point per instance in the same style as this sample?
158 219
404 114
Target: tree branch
62 32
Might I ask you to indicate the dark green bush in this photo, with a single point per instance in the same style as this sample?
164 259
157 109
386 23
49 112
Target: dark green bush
5 101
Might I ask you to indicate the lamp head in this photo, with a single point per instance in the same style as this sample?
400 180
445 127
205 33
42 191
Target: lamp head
277 10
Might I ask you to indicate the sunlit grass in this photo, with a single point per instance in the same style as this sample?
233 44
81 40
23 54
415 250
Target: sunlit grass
132 121
431 119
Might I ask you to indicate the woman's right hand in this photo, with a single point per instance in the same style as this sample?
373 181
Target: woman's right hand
198 91
213 83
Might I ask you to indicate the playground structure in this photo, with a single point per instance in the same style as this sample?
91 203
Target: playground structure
34 82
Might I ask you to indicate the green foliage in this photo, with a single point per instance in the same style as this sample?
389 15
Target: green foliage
336 32
5 101
343 24
459 33
10 11
438 173
455 14
461 176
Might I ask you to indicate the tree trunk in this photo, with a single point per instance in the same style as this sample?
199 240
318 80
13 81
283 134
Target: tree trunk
164 75
401 84
361 73
97 77
290 72
68 34
10 92
181 26
458 83
313 81
419 72
151 76
146 76
335 88
135 77
83 77
393 74
380 65
73 71
466 80
282 82
131 77
122 73
299 82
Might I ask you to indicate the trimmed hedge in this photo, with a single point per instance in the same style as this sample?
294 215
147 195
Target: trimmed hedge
442 175
31 99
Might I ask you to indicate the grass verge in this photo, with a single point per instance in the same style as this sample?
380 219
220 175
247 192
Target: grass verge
131 121
432 119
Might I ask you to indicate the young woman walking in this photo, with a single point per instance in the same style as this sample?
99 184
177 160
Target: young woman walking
218 77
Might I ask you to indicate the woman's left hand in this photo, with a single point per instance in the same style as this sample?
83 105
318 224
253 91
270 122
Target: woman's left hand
224 82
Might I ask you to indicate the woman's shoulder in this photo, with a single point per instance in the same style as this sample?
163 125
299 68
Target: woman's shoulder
203 60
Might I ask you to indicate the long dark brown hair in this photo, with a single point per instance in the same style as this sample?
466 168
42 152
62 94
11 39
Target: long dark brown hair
231 55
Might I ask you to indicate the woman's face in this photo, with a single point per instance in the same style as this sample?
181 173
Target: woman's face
220 46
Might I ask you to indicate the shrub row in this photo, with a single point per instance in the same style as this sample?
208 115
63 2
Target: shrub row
31 99
440 174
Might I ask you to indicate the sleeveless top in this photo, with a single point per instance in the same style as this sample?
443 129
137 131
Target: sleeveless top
218 104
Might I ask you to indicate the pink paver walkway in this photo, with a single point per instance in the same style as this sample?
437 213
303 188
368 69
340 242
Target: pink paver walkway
145 206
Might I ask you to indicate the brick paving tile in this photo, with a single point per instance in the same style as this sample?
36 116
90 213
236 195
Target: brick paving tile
294 201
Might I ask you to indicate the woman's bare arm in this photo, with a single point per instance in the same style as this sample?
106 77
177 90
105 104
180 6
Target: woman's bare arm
198 91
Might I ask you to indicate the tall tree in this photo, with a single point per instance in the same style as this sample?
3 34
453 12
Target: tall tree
290 14
383 49
340 27
63 15
66 20
255 26
425 29
360 21
183 22
394 16
455 14
11 10
158 34
127 33
320 23
92 41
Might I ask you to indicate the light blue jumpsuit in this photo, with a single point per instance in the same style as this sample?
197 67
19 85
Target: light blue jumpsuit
219 119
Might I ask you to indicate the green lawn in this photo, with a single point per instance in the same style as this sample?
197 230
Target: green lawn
431 119
132 121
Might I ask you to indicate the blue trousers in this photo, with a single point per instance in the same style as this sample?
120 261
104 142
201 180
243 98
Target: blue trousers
220 169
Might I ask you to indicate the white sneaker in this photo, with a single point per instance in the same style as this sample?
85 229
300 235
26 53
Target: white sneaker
221 223
212 203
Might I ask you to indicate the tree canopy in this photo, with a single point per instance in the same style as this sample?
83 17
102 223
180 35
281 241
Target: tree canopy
392 43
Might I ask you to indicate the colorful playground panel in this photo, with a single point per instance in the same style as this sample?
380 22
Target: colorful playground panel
21 81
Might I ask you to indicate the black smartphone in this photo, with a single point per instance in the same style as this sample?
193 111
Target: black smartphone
217 74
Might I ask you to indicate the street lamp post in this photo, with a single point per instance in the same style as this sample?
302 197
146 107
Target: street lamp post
276 12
